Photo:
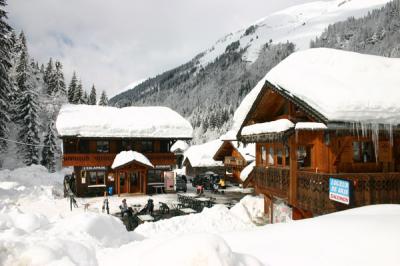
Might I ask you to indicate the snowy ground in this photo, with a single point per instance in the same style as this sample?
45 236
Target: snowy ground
37 228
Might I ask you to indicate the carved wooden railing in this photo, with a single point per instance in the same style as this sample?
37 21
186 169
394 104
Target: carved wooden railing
367 188
233 161
272 180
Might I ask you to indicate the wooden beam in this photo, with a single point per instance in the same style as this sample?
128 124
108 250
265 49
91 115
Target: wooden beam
293 171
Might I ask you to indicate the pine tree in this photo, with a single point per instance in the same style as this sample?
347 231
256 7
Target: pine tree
5 83
72 88
48 77
27 109
103 99
93 96
58 81
50 149
78 94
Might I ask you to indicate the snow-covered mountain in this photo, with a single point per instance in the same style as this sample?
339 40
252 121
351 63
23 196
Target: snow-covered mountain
210 87
298 24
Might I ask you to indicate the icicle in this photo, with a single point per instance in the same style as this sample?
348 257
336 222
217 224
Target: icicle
375 139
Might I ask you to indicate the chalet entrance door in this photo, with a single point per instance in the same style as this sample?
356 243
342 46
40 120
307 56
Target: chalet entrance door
134 182
123 184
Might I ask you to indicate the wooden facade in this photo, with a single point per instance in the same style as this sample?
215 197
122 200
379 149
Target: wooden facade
234 161
296 165
92 158
194 171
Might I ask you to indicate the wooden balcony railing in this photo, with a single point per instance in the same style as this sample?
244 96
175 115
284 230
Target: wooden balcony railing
274 181
233 161
367 188
313 188
106 159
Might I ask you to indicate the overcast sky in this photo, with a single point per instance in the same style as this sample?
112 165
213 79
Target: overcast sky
116 42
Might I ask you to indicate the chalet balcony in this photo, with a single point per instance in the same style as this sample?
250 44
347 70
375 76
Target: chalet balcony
106 159
313 188
233 162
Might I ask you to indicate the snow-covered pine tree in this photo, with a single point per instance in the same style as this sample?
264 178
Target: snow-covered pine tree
50 149
78 94
27 109
48 77
93 96
72 88
5 65
103 99
58 81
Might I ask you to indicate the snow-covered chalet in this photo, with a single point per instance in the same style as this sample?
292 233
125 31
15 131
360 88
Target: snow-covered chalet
326 127
127 149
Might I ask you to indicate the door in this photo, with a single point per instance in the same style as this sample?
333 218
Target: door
134 182
123 182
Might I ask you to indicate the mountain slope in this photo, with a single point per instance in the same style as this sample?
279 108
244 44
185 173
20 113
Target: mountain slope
209 88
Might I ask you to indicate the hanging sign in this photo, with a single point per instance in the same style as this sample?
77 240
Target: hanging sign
339 190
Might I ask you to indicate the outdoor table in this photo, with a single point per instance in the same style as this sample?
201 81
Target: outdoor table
191 195
145 218
158 188
203 199
187 210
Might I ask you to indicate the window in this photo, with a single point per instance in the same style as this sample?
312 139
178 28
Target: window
147 146
70 146
96 177
154 176
126 145
102 146
304 156
271 156
83 146
363 152
164 146
263 154
287 156
279 157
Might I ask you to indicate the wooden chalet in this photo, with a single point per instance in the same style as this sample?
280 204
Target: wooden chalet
93 136
198 159
327 138
235 156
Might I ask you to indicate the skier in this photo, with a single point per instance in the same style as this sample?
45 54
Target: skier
105 203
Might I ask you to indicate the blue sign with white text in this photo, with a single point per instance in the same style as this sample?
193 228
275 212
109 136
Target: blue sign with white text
339 190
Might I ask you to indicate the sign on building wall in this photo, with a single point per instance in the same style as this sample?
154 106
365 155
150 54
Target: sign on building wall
339 190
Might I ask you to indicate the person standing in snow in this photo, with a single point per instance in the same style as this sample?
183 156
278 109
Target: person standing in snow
105 203
123 207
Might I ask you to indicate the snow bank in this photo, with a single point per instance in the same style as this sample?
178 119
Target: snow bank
125 157
277 126
367 236
249 208
202 155
212 220
244 174
132 122
343 86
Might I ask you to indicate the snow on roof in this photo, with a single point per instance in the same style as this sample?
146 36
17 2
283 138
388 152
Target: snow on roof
310 126
230 135
248 152
341 85
105 121
179 145
246 171
276 126
202 155
125 157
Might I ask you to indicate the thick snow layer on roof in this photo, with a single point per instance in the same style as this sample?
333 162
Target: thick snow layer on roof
140 122
276 126
125 157
246 171
202 155
343 86
179 145
310 126
230 135
248 152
